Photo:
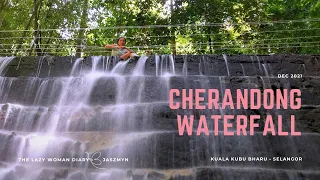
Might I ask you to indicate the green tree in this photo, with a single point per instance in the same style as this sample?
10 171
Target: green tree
51 27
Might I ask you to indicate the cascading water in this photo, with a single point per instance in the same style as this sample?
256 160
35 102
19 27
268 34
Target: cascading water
267 74
140 66
40 65
166 65
258 59
244 74
4 62
72 114
116 109
76 67
185 66
227 66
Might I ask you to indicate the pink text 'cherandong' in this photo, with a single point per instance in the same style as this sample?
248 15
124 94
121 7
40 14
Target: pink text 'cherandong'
202 99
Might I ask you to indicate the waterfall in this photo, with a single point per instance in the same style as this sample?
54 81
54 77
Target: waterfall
120 67
185 66
4 62
76 67
140 66
244 74
165 65
226 61
109 119
157 59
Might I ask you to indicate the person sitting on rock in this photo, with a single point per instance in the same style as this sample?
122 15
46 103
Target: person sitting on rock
119 49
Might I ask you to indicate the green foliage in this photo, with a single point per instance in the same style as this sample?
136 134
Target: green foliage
205 26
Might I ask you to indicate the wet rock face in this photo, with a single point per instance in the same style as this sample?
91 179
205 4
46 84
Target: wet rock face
210 65
104 111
